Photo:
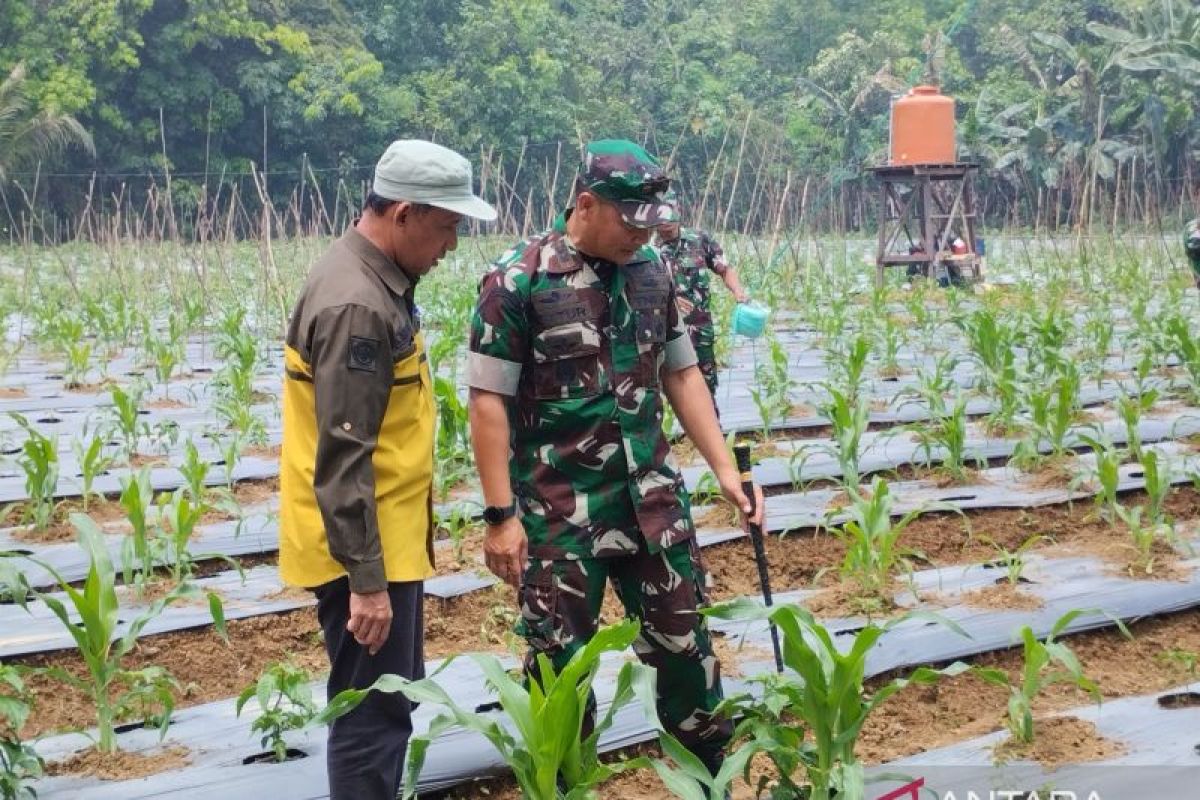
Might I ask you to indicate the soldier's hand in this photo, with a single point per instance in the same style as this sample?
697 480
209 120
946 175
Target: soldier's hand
370 619
505 550
733 493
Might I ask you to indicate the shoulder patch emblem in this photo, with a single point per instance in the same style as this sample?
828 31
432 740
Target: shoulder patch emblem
364 354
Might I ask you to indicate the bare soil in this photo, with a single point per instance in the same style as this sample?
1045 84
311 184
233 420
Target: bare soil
1003 595
270 453
162 403
121 765
1058 741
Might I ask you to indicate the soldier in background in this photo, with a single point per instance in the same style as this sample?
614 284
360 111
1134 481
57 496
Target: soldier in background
691 254
575 339
1191 246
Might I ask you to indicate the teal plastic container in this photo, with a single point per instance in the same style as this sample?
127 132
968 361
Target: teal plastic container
750 319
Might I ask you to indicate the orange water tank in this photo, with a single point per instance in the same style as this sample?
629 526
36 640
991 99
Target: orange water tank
923 128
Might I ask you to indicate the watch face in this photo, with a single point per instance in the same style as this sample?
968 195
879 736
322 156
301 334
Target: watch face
492 516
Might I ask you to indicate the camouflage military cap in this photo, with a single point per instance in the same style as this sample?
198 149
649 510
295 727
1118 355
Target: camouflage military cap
624 173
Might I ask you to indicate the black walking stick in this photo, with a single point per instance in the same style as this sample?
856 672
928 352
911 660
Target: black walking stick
741 452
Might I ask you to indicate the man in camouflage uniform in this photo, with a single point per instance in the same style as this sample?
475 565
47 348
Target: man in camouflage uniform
575 339
1191 246
690 254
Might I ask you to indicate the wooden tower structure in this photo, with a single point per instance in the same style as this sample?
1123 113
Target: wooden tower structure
927 221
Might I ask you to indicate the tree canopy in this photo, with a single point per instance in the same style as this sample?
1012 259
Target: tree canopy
1051 93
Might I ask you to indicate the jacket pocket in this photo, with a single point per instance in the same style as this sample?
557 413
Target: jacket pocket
566 362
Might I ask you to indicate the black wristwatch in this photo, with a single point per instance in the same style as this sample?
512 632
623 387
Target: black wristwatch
494 515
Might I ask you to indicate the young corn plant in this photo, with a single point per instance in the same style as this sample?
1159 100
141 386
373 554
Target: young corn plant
1048 333
809 717
1131 409
93 462
178 516
141 549
78 360
772 390
115 692
453 442
39 462
944 439
127 417
848 365
1099 333
991 342
20 764
1052 415
230 447
1149 524
165 356
457 524
872 539
1177 333
890 338
1106 474
1013 561
285 702
849 417
1046 662
194 470
546 716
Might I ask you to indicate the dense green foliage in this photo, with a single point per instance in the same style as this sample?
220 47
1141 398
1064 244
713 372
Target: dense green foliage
1057 95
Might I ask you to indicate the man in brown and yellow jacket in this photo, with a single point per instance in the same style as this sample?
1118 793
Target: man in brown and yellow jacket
357 463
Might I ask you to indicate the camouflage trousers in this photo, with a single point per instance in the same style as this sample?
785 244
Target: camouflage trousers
704 340
560 607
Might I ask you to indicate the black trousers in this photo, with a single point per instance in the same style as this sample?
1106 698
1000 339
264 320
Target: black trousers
367 746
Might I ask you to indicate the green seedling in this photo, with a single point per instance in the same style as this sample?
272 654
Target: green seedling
115 693
1185 661
545 739
285 703
141 549
809 717
165 356
460 522
20 764
1177 334
946 436
230 447
39 462
1149 524
772 390
194 470
240 418
453 441
1046 662
127 417
1131 409
849 416
1013 561
78 361
1052 415
1106 474
93 462
849 366
872 539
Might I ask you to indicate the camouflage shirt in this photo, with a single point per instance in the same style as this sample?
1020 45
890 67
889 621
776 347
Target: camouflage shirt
578 343
689 257
1191 243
